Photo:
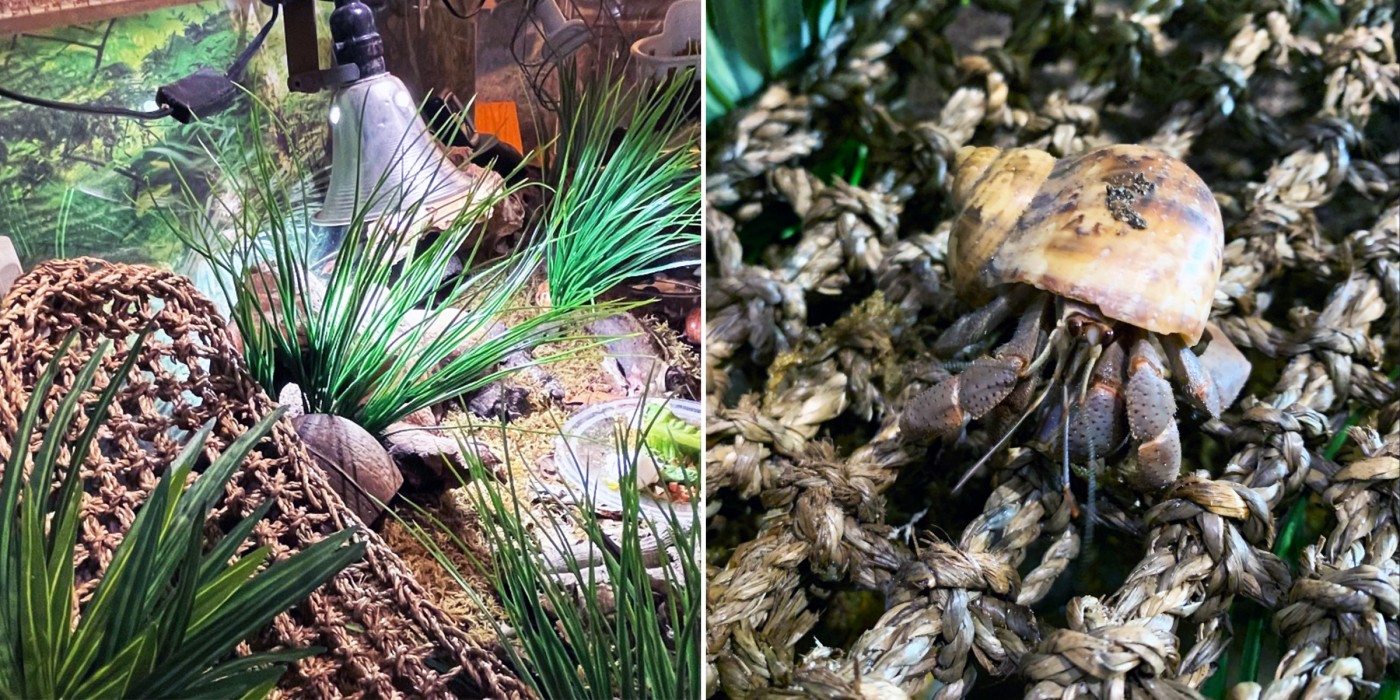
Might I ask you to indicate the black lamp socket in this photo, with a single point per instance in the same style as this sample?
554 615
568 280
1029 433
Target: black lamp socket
356 39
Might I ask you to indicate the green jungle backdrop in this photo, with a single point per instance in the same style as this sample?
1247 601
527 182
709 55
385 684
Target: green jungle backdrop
74 184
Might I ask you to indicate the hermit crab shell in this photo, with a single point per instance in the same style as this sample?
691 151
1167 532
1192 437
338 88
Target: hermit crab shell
1127 228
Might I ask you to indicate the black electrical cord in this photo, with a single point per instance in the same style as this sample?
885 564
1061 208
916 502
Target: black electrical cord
161 113
538 74
235 71
480 5
233 74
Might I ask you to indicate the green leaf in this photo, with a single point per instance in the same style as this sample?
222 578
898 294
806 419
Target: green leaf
214 594
578 649
114 677
623 206
218 558
784 27
21 554
255 604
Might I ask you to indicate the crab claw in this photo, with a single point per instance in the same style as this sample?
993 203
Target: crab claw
1152 419
1199 387
947 407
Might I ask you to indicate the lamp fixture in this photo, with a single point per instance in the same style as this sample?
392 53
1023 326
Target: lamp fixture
382 154
562 37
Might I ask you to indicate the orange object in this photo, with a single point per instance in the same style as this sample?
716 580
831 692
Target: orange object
501 120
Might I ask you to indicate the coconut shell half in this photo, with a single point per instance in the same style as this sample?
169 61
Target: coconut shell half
357 466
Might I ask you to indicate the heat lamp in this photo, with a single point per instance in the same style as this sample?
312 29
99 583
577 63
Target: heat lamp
562 37
383 157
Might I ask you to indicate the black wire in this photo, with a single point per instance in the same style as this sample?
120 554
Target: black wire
235 72
538 73
161 113
480 5
533 72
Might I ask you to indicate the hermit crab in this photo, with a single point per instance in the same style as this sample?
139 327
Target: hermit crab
1101 268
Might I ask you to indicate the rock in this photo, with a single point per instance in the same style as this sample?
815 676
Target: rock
693 329
291 397
435 324
356 465
423 418
504 400
10 269
261 281
498 401
632 361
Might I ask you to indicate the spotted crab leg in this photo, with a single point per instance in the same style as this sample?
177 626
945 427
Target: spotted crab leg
1152 419
947 407
1200 387
974 327
1096 422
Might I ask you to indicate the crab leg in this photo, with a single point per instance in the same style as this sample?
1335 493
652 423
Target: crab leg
1152 419
1095 425
1187 370
972 328
947 407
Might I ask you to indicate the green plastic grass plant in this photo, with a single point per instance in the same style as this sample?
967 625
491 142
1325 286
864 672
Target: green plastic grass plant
375 339
166 615
749 44
645 644
624 203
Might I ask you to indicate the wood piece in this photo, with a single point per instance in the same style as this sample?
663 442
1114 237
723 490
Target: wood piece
303 58
20 17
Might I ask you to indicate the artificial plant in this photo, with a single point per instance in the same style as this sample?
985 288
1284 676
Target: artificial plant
624 180
623 631
168 612
379 324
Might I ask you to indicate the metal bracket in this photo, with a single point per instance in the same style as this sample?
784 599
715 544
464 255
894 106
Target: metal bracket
303 53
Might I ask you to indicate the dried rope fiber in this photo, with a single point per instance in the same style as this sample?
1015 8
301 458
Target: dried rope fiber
384 638
955 606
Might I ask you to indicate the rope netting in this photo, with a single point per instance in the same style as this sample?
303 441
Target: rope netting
813 348
383 638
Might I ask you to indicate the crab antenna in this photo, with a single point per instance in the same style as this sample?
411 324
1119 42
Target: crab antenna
1051 341
1091 508
1064 436
1088 371
1039 399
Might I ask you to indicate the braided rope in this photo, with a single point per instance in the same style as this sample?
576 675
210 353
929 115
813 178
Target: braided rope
955 606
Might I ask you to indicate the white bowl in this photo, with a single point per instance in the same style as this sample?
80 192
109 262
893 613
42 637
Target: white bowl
586 458
658 54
